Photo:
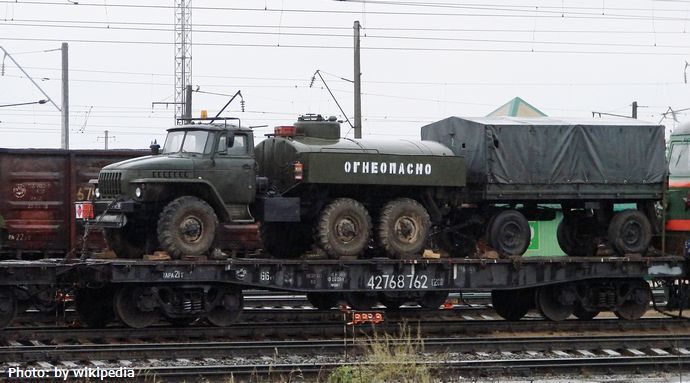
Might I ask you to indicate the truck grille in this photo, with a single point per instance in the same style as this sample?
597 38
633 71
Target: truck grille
109 184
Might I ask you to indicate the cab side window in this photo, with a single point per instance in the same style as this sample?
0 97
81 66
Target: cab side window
239 147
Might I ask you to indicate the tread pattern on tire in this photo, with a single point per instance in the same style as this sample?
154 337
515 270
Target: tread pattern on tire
166 234
502 218
390 212
323 232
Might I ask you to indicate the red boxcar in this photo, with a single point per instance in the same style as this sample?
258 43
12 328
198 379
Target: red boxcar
38 190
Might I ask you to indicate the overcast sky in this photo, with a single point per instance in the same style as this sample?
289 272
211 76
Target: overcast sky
422 61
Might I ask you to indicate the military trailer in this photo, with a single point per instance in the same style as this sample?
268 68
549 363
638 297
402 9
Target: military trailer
309 188
585 167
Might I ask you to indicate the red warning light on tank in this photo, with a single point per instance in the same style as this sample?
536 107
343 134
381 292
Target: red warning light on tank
285 131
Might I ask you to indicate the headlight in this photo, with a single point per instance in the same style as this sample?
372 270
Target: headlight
97 193
137 192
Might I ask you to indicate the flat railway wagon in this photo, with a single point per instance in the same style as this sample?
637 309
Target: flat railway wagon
140 293
39 187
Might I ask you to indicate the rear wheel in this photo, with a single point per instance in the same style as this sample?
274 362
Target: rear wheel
343 228
403 227
582 313
630 232
135 306
187 226
555 302
509 233
637 301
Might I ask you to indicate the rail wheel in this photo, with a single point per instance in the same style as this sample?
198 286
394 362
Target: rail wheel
582 313
630 232
343 228
8 307
393 301
323 301
127 242
285 240
135 306
403 227
511 305
227 306
555 303
361 301
574 235
94 306
187 226
432 299
509 233
637 301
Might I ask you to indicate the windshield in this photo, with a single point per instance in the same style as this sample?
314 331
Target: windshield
679 164
191 141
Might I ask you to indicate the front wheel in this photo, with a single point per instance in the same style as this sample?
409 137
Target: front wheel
187 226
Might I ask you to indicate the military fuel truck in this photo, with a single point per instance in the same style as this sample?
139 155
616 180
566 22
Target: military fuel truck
309 188
585 168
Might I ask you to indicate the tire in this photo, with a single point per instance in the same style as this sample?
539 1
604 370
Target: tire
509 233
343 228
127 242
630 232
403 228
285 240
187 226
570 238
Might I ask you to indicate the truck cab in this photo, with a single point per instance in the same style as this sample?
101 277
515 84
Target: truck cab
204 175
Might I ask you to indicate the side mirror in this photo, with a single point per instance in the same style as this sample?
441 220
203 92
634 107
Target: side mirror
231 139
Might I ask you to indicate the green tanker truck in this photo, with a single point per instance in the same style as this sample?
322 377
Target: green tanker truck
309 188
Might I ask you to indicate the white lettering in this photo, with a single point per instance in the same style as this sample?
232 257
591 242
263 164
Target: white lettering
384 167
392 166
418 169
410 169
374 168
348 166
365 167
427 169
356 166
401 168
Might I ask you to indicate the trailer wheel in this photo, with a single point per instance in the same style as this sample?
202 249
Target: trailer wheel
227 306
135 306
630 232
187 226
285 240
509 233
511 305
94 306
323 301
344 228
573 237
8 307
403 227
127 242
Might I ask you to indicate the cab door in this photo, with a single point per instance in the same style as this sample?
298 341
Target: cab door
235 169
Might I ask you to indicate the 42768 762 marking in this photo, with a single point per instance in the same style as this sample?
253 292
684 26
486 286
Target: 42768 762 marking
398 281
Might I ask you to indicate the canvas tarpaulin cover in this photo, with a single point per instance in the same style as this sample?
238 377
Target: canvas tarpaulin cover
509 150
